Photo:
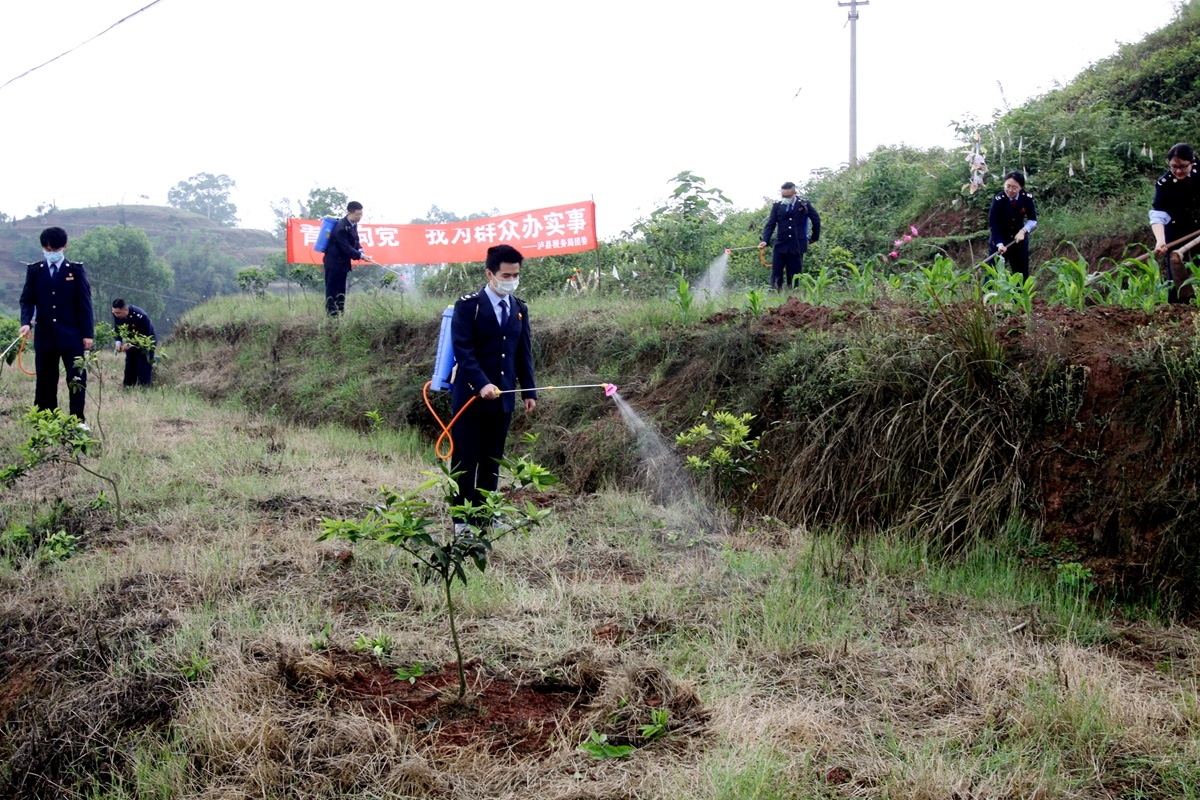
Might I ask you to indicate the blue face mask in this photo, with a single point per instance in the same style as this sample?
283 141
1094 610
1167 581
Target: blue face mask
54 258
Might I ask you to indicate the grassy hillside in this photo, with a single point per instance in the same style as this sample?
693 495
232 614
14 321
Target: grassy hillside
1090 149
210 647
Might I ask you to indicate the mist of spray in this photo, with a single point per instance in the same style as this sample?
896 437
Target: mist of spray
713 280
662 475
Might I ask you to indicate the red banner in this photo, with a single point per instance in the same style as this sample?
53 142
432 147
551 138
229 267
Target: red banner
551 231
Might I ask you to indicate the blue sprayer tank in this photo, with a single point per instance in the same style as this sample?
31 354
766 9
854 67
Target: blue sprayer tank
443 362
326 231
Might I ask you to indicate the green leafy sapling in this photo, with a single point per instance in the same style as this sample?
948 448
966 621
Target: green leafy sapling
726 452
57 438
440 552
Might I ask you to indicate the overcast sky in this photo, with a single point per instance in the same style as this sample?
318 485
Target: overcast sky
514 105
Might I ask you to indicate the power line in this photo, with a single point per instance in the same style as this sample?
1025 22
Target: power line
201 298
81 44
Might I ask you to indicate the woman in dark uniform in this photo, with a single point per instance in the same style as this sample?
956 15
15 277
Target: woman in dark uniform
1012 218
1175 214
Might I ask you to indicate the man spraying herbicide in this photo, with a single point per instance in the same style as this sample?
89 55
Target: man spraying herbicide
492 346
799 225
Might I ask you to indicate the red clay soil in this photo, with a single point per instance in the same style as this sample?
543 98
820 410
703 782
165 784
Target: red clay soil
1093 476
1088 478
500 714
794 314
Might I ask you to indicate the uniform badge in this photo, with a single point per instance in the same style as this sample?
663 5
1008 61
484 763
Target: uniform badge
69 277
520 316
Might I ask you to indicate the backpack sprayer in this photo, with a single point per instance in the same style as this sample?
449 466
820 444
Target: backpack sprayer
327 225
443 368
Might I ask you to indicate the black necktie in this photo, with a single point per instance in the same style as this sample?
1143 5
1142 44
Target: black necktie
53 269
503 314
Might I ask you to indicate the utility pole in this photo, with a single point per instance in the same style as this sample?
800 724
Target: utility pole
853 18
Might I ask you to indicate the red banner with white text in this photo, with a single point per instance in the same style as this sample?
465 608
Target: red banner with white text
553 231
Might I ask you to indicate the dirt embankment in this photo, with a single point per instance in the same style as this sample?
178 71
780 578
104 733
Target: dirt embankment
1089 414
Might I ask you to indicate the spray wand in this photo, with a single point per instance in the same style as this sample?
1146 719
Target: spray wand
388 267
22 339
609 388
11 345
759 248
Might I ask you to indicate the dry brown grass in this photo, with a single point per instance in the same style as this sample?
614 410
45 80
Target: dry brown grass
790 666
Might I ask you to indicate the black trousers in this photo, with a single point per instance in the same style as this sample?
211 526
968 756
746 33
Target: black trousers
790 264
138 368
335 291
479 437
1016 257
45 392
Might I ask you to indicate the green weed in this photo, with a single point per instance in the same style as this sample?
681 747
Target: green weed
597 746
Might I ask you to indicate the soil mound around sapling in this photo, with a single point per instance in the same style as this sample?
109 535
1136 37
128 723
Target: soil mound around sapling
500 714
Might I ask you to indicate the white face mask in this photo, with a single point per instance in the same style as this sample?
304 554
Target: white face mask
54 258
507 287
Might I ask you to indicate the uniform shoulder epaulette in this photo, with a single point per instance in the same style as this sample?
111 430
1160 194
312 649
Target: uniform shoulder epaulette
469 296
33 264
999 196
1163 180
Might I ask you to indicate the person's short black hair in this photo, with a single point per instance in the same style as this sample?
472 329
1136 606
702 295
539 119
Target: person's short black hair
118 303
1017 176
788 185
502 254
353 206
54 238
1182 150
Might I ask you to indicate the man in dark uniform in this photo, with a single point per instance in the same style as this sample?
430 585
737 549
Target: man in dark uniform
343 248
58 295
1011 219
492 347
792 216
139 360
1175 214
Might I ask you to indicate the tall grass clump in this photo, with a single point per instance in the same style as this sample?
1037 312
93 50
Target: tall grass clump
922 432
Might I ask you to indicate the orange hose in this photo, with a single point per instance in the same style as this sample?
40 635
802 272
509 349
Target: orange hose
20 350
437 446
762 257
